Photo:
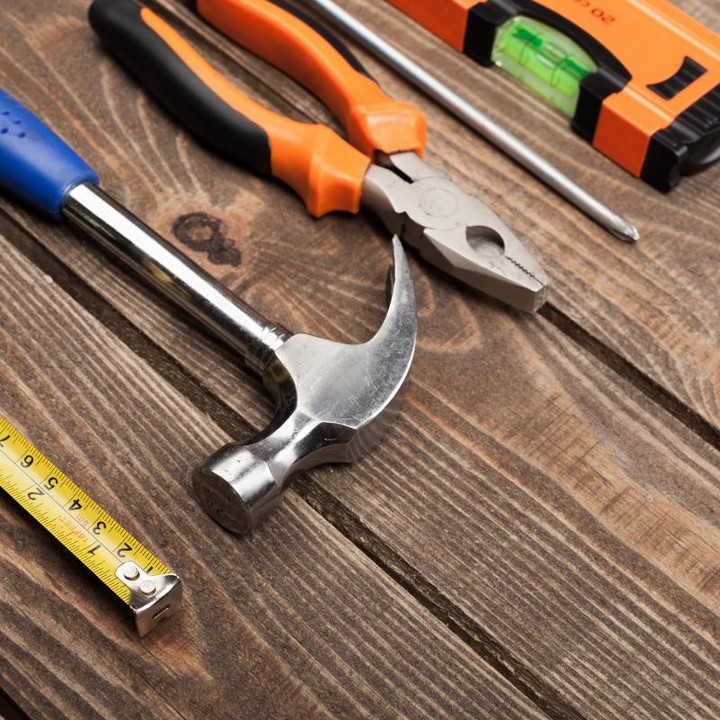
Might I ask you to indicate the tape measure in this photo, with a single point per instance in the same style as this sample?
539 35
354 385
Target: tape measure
639 78
133 573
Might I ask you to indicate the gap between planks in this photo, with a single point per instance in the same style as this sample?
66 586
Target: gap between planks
655 392
9 710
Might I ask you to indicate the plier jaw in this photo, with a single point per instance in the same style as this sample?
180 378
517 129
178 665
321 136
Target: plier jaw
453 230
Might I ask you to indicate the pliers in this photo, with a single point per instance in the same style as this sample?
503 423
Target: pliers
379 167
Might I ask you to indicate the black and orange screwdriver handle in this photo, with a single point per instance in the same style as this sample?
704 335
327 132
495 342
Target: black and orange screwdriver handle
319 165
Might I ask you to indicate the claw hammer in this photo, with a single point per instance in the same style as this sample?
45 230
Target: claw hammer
333 400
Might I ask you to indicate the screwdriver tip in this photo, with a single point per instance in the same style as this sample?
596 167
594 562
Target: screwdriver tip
624 230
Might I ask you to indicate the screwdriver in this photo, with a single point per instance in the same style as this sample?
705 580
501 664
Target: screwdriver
511 145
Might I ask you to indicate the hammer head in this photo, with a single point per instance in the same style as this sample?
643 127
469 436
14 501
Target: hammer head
334 402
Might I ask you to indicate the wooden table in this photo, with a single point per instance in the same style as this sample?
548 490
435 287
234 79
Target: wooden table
539 535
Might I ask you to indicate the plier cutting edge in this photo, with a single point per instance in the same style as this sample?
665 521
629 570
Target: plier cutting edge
381 165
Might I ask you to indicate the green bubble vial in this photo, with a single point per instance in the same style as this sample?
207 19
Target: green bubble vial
543 59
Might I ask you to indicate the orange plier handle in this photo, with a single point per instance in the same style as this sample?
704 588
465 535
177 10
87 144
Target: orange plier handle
321 167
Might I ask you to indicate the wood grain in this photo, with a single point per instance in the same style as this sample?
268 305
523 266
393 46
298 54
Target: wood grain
562 524
292 623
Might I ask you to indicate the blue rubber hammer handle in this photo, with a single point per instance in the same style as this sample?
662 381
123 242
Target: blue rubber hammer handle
35 164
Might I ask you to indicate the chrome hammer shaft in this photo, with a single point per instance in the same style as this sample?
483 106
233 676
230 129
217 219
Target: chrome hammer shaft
130 240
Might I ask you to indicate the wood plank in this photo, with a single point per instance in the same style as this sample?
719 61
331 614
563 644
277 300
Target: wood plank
513 535
292 623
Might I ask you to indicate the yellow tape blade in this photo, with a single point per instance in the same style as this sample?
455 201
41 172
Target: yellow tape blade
69 514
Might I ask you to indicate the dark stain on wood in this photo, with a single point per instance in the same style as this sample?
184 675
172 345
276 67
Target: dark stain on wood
203 233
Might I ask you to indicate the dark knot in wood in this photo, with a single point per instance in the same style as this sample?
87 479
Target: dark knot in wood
202 232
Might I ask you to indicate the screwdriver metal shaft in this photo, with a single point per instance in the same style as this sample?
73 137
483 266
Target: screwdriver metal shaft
511 145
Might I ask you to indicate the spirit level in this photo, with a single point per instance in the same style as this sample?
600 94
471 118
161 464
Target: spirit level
639 78
134 574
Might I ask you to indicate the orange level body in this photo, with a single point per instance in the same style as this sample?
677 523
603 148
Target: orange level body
652 106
